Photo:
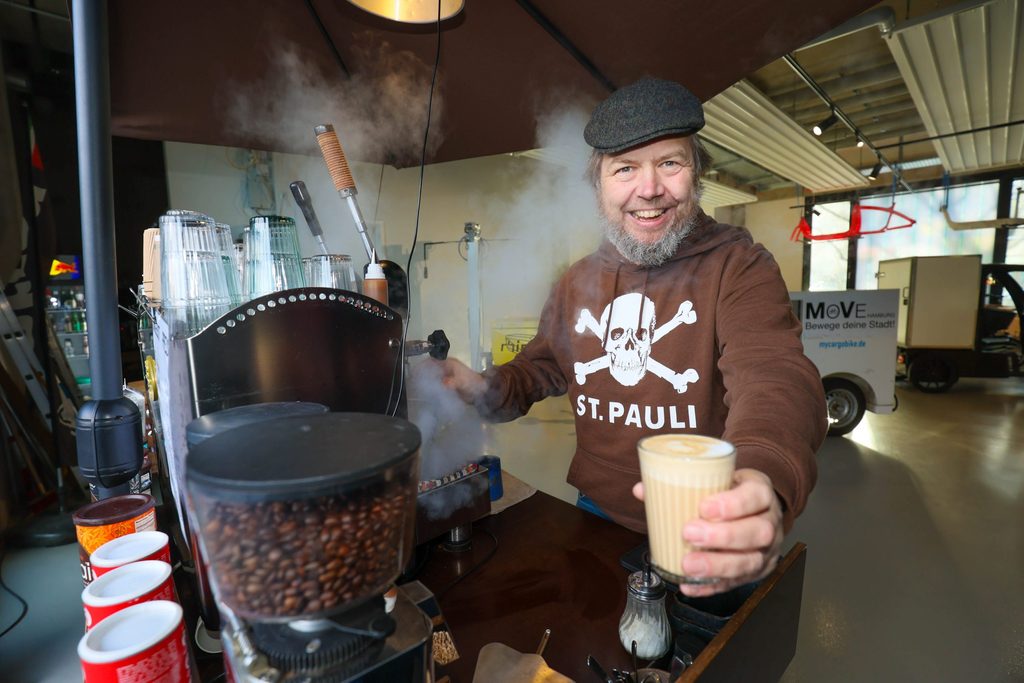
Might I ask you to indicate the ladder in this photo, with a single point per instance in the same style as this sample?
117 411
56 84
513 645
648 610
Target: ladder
24 357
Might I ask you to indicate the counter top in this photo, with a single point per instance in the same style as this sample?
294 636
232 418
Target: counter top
555 567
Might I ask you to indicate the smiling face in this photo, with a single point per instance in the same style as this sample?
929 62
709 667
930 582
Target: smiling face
649 198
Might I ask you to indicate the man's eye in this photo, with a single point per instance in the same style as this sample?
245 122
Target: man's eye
622 170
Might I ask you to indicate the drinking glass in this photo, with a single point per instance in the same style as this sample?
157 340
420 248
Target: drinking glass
307 270
272 256
227 255
333 271
679 471
193 280
239 261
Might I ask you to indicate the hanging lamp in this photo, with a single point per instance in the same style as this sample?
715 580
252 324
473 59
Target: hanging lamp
411 11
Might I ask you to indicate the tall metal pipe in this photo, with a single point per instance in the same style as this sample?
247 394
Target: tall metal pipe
95 177
108 426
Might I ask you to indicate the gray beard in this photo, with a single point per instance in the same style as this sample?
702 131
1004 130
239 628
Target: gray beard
654 254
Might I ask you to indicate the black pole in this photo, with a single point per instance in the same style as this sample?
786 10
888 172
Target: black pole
107 427
95 177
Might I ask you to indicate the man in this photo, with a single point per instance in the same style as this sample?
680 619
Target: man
676 324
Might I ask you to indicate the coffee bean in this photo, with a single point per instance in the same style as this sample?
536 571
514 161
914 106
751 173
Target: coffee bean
307 557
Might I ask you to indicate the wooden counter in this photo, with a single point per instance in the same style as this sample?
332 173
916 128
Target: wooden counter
557 567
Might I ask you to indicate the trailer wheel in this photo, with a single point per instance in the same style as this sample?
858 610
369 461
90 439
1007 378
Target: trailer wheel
845 402
932 373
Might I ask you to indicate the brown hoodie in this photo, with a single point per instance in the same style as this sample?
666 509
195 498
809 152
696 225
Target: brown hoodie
706 344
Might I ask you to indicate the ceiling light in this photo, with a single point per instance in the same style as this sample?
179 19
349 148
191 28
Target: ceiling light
411 11
825 125
860 143
875 171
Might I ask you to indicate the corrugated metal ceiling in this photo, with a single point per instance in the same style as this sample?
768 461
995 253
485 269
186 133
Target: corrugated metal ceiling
743 120
965 71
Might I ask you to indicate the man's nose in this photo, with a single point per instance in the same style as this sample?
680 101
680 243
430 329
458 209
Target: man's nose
650 185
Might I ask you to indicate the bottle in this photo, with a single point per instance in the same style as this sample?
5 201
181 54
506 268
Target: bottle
85 346
645 620
83 323
68 349
375 285
76 322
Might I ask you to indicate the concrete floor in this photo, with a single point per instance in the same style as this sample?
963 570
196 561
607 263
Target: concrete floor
915 567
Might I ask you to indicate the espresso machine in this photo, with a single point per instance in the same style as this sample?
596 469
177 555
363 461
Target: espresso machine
305 523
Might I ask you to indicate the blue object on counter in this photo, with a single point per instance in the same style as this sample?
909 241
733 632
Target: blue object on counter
493 465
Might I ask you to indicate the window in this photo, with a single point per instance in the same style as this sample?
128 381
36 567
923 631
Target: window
931 235
1015 239
828 257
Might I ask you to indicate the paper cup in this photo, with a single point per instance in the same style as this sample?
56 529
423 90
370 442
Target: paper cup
137 547
124 587
143 643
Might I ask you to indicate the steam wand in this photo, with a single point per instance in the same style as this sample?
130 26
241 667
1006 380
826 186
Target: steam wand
305 203
337 166
344 183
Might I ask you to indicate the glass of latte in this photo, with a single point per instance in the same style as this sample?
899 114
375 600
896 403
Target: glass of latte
678 471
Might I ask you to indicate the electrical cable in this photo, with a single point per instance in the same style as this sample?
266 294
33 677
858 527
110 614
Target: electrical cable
24 605
416 229
440 594
380 187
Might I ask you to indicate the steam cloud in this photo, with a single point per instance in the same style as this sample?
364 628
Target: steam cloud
452 434
549 217
379 112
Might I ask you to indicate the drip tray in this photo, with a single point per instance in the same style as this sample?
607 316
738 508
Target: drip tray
461 501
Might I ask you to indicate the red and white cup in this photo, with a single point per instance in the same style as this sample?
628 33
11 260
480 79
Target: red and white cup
126 586
136 547
144 643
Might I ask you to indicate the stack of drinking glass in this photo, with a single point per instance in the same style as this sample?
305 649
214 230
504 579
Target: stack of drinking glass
204 274
194 280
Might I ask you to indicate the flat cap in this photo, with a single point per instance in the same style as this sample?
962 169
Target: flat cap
643 111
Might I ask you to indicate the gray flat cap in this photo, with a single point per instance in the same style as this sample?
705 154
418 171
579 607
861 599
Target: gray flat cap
643 111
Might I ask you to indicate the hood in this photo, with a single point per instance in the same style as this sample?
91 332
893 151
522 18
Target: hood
706 235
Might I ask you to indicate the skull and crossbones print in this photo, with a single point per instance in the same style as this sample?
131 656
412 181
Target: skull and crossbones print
627 330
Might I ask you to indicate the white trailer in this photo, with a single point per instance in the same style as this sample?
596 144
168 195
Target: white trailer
850 336
955 320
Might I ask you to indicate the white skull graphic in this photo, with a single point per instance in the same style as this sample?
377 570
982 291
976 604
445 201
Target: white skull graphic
629 323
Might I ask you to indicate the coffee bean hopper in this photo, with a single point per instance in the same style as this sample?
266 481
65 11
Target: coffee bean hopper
305 522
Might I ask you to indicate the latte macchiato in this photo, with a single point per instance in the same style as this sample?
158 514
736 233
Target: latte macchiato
678 471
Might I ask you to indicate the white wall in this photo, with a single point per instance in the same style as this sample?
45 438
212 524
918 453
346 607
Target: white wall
771 223
535 217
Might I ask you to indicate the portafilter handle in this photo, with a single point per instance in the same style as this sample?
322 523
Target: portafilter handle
437 345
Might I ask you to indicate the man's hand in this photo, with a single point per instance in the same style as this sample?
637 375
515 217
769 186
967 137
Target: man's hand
469 385
738 534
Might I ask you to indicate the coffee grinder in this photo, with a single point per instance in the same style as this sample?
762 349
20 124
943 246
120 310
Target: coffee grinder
305 523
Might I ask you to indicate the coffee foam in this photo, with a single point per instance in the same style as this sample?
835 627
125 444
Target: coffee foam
686 446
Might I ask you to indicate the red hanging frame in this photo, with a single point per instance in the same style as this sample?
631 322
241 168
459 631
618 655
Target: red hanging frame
803 228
